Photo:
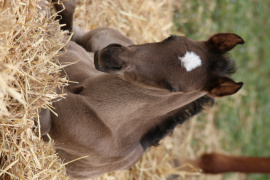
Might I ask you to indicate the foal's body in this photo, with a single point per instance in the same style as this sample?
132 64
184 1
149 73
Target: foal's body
111 118
107 119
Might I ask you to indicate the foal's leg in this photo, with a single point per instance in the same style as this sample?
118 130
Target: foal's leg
93 40
214 163
65 10
99 38
45 121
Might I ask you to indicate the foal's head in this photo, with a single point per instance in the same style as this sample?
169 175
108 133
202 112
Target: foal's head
177 64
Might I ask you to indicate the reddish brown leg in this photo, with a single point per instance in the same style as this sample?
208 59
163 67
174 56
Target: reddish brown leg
214 163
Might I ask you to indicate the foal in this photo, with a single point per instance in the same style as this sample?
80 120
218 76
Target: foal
130 96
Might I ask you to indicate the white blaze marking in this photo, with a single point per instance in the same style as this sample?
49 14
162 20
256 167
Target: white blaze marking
190 61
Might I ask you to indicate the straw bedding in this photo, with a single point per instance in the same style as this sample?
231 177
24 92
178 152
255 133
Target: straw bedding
29 75
28 79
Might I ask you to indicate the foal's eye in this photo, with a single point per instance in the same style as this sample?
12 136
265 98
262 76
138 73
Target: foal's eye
171 37
168 86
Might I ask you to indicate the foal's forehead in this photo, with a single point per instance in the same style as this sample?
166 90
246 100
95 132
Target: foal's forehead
190 53
190 60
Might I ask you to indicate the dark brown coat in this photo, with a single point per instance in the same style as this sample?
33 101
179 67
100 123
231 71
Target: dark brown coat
144 91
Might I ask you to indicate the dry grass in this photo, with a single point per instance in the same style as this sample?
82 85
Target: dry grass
29 42
142 21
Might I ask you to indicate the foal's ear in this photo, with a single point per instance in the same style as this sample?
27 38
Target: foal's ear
223 42
223 86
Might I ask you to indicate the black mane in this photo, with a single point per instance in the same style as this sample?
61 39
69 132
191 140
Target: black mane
154 135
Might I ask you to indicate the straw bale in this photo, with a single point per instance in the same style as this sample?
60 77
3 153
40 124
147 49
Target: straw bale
29 41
